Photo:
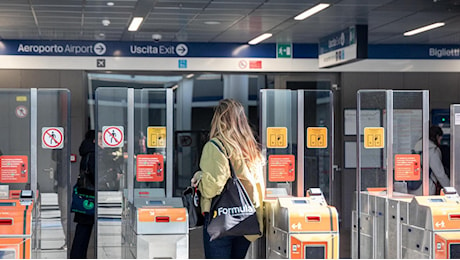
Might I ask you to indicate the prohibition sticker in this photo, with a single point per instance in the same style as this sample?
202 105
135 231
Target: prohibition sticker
21 111
112 136
52 137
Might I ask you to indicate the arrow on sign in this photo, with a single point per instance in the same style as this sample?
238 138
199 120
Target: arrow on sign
440 224
296 226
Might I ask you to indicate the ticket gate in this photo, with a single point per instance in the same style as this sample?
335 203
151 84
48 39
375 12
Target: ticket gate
390 122
298 150
302 227
157 227
381 218
432 229
34 173
389 220
154 223
16 227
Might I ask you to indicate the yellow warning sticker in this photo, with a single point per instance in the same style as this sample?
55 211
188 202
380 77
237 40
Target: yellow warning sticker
317 137
21 98
276 137
156 137
374 137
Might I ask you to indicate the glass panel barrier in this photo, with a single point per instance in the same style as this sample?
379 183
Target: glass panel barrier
318 129
455 146
135 152
34 172
279 138
296 131
392 125
111 115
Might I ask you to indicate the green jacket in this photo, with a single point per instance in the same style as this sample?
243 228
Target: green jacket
215 172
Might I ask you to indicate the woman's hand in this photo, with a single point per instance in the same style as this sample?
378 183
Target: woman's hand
196 179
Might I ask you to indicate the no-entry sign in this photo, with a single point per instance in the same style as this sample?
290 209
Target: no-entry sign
52 137
112 136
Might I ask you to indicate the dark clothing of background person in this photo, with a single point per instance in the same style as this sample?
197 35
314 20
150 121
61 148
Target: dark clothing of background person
110 167
84 222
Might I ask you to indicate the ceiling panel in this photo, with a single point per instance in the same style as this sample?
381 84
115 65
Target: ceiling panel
230 20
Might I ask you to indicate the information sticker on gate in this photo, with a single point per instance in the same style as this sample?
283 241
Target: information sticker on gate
13 169
281 168
407 167
149 168
374 137
276 137
52 137
156 137
113 136
317 137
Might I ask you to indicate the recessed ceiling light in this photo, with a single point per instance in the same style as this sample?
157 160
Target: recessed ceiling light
212 22
423 29
110 4
106 22
260 38
315 9
135 23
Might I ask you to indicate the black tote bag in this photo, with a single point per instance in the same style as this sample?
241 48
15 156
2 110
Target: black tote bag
191 200
232 212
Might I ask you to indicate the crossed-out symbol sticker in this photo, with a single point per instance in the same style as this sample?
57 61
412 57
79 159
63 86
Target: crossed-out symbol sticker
112 136
52 137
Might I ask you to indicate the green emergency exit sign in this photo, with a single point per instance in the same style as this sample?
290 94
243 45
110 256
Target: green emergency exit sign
283 50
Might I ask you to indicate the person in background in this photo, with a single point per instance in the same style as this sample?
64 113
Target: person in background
229 129
110 162
437 174
84 222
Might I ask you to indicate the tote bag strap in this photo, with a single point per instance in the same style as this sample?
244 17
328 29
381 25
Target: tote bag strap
232 171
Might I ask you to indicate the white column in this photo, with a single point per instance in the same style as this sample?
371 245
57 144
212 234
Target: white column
237 87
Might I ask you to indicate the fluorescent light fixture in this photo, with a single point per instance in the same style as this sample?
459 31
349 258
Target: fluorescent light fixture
190 76
211 22
423 29
260 38
135 23
315 9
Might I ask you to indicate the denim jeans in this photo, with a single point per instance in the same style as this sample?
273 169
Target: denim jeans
231 247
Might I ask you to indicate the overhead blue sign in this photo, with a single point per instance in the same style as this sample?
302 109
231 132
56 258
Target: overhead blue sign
219 50
415 51
147 49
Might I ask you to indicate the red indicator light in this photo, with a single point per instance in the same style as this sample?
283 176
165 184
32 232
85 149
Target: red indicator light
161 219
313 218
454 216
6 221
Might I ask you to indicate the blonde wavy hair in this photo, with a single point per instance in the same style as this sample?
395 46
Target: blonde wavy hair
230 125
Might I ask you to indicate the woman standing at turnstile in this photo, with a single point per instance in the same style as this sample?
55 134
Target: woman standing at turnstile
231 131
438 176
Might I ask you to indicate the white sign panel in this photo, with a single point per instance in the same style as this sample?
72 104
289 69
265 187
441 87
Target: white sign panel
52 137
112 136
339 56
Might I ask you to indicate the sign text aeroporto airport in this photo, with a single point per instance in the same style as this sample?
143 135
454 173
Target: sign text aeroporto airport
97 48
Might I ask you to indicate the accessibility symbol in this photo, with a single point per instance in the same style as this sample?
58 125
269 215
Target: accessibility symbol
52 137
112 136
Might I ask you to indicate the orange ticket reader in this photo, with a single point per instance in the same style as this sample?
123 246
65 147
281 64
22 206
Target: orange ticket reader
15 228
433 227
302 227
